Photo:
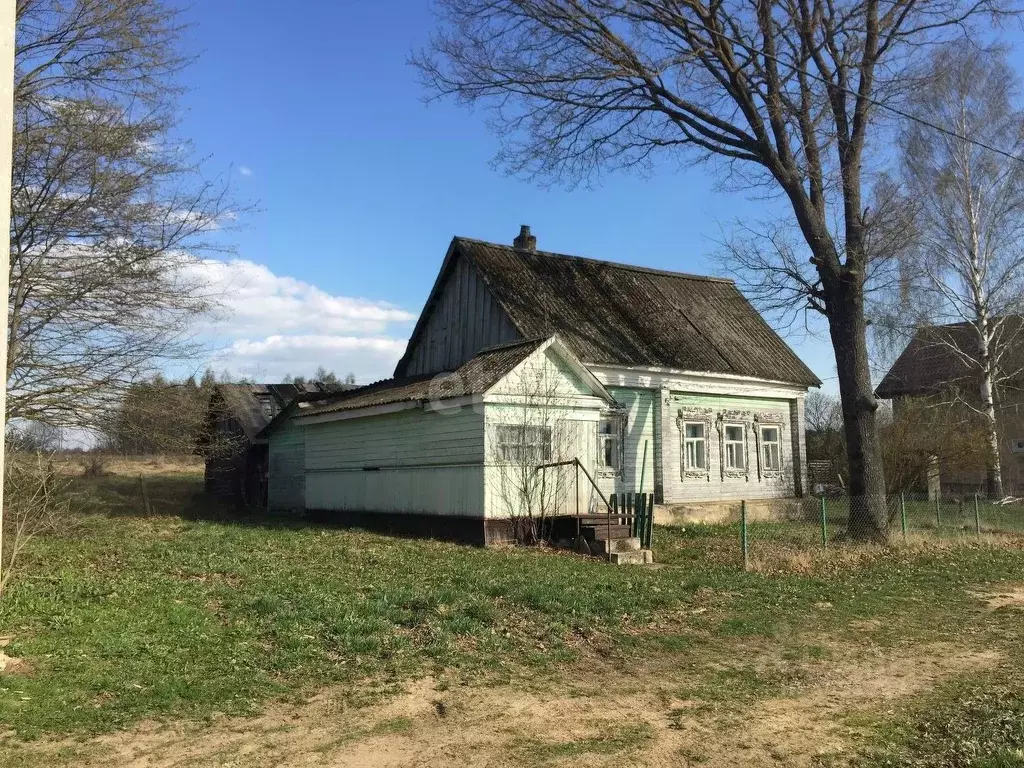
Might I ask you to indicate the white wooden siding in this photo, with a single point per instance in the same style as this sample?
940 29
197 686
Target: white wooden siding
670 389
638 407
464 319
575 436
286 484
411 461
679 487
441 491
544 390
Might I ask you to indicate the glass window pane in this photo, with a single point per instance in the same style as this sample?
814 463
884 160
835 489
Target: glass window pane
734 433
695 430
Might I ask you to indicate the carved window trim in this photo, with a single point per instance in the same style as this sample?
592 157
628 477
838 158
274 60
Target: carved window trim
694 416
731 418
772 421
735 472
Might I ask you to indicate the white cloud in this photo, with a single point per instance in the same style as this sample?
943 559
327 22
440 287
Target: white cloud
274 357
256 301
245 170
271 325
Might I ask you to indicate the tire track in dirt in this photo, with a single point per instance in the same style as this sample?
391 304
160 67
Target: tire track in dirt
481 727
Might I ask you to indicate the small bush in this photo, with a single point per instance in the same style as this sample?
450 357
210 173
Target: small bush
36 502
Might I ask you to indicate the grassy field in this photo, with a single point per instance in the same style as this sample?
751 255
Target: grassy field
190 635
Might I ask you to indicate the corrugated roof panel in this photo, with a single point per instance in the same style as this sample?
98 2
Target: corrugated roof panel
620 314
474 377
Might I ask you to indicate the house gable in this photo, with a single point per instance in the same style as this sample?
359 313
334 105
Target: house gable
461 317
551 374
607 313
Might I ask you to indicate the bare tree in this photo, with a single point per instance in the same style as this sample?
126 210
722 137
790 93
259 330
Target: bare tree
922 433
109 212
968 199
159 417
36 502
783 95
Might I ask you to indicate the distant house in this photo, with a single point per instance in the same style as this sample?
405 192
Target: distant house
236 454
655 381
939 366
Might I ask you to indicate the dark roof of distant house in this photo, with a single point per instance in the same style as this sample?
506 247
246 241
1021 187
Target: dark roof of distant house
476 376
246 401
619 314
942 357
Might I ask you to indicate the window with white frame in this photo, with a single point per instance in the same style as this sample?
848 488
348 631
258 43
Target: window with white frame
695 445
522 443
771 448
735 447
609 443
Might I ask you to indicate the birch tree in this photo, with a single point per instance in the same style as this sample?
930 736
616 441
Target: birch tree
966 185
781 96
109 211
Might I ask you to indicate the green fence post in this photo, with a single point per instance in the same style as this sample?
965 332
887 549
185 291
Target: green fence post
743 535
824 525
903 515
977 516
938 518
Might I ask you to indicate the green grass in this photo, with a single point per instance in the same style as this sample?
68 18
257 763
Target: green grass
194 611
976 722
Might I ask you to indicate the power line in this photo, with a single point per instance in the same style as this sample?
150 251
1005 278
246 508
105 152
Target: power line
870 100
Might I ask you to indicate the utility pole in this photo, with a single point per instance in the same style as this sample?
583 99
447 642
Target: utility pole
8 19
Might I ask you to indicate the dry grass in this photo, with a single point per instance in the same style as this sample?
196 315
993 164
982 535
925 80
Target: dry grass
78 464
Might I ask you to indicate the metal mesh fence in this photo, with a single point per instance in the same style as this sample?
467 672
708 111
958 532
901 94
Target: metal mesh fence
773 536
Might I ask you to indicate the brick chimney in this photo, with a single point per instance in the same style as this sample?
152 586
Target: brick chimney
525 241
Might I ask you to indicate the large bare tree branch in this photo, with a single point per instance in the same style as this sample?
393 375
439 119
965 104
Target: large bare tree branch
783 92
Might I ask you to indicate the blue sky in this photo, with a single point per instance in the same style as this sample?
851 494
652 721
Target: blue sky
321 122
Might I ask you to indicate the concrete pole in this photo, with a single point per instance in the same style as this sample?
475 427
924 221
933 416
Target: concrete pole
8 18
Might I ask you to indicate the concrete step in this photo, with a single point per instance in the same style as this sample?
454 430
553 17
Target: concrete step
594 532
638 557
603 546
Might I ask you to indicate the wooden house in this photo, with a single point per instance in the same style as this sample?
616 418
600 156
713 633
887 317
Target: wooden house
655 381
940 368
235 452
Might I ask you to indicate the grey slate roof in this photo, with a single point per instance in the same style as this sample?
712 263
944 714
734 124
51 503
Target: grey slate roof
939 358
619 314
246 401
474 377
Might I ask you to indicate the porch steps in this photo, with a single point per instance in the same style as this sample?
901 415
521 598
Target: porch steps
618 544
599 532
640 557
604 546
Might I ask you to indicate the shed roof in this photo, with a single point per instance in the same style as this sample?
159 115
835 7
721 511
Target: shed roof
246 401
943 357
620 314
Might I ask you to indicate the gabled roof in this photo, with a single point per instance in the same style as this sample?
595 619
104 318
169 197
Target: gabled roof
619 314
475 377
943 357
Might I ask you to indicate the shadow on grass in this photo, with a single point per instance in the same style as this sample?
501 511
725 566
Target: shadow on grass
173 495
181 496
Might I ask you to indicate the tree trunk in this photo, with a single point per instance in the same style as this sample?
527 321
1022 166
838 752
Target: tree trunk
994 475
869 516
